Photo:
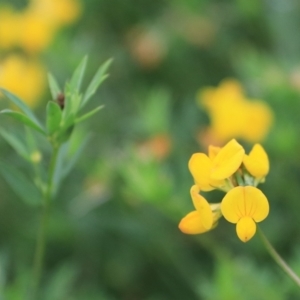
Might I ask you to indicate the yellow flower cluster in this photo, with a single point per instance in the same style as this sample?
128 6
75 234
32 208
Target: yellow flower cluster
32 30
232 115
238 174
35 27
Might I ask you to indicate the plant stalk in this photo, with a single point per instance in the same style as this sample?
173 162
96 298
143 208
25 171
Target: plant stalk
283 265
41 235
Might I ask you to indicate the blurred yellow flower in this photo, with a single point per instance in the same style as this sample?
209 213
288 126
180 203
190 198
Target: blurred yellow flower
34 28
37 33
233 115
25 78
57 12
9 27
245 205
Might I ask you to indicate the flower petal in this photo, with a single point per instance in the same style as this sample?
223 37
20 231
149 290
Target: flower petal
230 205
256 203
227 161
257 162
213 151
200 166
203 207
191 223
245 229
244 201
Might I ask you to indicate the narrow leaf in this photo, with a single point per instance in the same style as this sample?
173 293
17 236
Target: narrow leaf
54 87
23 119
77 76
19 103
54 115
89 114
98 78
74 158
25 189
16 143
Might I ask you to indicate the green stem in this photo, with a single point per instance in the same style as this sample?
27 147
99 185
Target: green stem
41 236
284 266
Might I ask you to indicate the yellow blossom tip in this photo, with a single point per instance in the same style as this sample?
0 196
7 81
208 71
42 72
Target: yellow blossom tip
191 224
245 229
203 207
257 162
227 161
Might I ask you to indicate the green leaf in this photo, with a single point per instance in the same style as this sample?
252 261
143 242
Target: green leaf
77 76
75 156
19 103
54 87
98 78
23 119
89 114
54 115
16 143
25 189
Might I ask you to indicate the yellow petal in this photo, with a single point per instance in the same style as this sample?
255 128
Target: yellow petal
244 201
203 207
257 162
200 166
227 161
191 223
256 203
245 229
213 151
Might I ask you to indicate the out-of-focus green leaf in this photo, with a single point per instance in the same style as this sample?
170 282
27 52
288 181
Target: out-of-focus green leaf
19 103
23 119
89 114
77 76
16 143
67 158
24 188
98 78
54 87
75 156
54 115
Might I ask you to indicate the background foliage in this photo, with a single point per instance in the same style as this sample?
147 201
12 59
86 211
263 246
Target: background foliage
113 230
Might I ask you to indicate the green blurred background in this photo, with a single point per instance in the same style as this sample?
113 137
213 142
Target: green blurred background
113 231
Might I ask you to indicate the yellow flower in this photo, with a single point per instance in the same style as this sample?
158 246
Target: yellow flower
57 12
9 27
36 32
25 78
201 220
244 206
233 115
257 162
34 28
210 171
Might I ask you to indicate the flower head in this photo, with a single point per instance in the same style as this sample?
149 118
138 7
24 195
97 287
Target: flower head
231 170
245 205
233 115
25 78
